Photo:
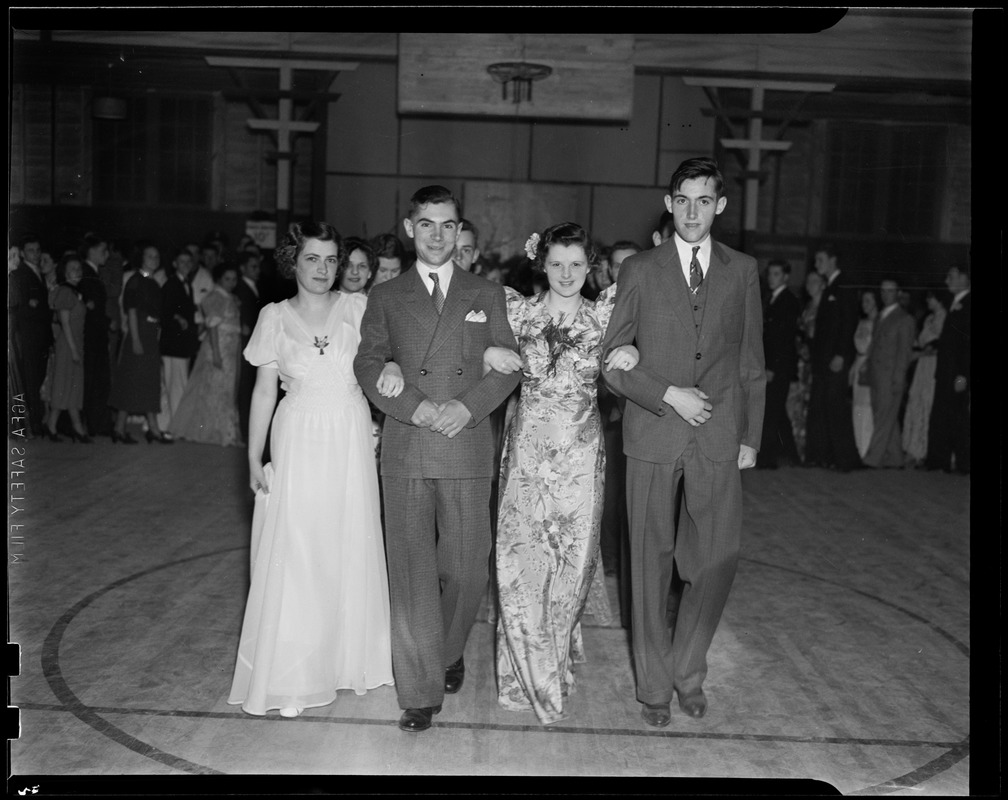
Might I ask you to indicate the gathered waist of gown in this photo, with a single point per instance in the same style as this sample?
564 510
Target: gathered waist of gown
313 394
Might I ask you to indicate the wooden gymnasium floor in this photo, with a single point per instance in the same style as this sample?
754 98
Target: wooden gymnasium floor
843 655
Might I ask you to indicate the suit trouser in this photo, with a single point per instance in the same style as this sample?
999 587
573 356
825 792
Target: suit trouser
778 438
949 429
704 551
830 423
436 580
886 447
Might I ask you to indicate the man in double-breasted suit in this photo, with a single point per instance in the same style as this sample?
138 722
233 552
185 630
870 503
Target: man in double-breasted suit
886 367
830 426
949 428
437 449
780 352
694 414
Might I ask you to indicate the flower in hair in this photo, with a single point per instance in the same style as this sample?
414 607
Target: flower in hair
531 245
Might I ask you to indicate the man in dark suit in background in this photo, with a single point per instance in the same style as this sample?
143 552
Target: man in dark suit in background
949 429
97 330
31 319
830 425
437 449
694 415
780 327
250 304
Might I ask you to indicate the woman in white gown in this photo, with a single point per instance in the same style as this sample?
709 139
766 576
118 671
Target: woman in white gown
317 616
861 409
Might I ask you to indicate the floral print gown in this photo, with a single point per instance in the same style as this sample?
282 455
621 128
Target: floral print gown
550 512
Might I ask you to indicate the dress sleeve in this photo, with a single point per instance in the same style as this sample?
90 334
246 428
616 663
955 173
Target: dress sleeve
356 306
64 299
515 308
604 305
261 351
213 310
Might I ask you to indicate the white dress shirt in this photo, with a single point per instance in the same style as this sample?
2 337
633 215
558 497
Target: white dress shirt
444 276
686 254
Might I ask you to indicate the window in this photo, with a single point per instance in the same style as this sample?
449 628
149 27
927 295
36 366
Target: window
159 154
120 163
884 180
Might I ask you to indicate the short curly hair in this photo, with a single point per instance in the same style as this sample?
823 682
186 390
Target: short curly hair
565 234
293 243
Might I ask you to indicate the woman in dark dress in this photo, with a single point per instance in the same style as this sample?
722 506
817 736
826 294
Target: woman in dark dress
136 388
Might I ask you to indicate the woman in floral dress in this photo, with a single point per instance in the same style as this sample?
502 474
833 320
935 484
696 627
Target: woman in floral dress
552 473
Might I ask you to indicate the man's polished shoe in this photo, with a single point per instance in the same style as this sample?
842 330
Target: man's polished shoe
453 676
415 720
694 704
657 715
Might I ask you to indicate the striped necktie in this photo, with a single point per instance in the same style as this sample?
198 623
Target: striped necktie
438 295
695 273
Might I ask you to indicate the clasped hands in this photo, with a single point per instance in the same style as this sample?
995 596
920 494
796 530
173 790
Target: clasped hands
447 418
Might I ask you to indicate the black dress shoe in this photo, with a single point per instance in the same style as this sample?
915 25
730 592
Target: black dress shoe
453 676
694 704
415 720
657 715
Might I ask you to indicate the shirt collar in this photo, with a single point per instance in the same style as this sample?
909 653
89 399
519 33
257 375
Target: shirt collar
686 252
887 311
832 278
960 296
444 273
777 291
251 284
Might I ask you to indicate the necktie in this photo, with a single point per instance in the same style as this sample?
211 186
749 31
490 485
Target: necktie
438 295
695 273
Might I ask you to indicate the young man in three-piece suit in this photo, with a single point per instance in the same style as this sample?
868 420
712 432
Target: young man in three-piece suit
694 415
435 321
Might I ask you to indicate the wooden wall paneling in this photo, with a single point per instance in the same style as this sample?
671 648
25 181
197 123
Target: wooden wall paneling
900 44
74 155
484 148
37 131
507 213
362 123
16 185
621 212
598 151
957 207
447 74
218 154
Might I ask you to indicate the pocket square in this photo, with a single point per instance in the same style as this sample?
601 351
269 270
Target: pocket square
476 316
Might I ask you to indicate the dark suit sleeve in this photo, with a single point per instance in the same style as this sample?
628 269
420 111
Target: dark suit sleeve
374 351
752 376
638 384
493 388
904 348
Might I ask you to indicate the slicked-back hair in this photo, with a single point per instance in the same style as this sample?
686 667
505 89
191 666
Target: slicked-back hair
566 234
779 262
432 195
294 242
829 249
693 168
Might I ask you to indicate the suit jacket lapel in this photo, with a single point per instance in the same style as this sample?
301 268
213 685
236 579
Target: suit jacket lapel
717 282
676 288
419 303
458 302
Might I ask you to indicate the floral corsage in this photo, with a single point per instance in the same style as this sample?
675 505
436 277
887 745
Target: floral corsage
531 246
